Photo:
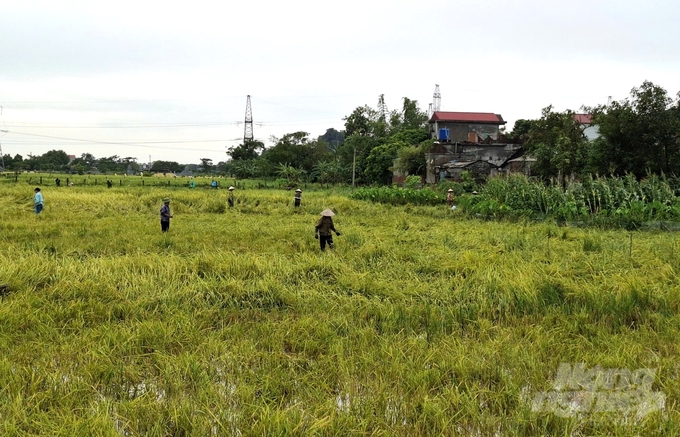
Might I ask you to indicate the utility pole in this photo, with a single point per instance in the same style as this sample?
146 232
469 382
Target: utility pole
248 128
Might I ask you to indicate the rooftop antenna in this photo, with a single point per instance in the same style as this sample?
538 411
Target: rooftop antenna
248 128
436 99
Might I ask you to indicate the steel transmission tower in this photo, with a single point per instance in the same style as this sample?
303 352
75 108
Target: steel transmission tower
248 128
436 99
382 107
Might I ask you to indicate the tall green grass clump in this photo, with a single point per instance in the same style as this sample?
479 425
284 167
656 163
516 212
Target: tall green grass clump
399 196
621 202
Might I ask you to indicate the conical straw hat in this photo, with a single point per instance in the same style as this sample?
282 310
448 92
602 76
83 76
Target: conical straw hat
327 213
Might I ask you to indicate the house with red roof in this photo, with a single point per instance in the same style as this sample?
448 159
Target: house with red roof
459 127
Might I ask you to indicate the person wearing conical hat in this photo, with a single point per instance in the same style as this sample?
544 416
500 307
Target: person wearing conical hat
165 215
298 197
449 197
324 228
230 199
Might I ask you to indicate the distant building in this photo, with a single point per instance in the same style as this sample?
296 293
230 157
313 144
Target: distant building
469 142
523 165
454 170
591 131
71 158
465 126
186 172
449 160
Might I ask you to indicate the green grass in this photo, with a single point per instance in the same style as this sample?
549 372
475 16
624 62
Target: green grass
421 322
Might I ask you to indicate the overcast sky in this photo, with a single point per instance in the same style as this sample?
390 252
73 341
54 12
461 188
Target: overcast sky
171 78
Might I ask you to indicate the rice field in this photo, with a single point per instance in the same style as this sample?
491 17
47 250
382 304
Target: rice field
420 322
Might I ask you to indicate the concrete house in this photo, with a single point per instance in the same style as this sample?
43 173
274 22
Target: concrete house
471 142
465 126
467 141
454 170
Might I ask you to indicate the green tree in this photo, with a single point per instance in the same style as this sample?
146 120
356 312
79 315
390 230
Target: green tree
362 145
557 142
638 134
411 115
291 174
249 150
206 165
244 169
297 150
411 159
359 122
165 167
520 130
380 161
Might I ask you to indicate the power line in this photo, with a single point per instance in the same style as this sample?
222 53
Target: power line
119 126
135 144
168 125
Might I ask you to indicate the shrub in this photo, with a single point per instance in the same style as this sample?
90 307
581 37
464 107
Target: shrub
399 196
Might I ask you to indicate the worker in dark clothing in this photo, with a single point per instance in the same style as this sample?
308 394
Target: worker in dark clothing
230 199
165 215
298 197
58 182
109 184
324 227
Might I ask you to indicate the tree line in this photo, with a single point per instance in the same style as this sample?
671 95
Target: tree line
638 135
367 148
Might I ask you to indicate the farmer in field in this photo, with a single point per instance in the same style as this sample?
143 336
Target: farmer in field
324 227
298 197
230 199
38 201
165 215
449 198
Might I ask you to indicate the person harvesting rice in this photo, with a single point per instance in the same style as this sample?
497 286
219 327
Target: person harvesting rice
38 201
324 227
230 199
165 215
298 197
